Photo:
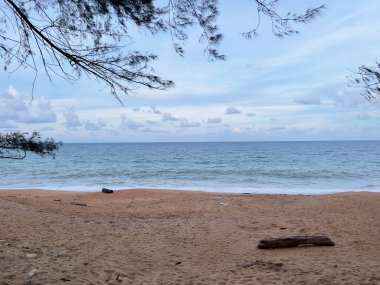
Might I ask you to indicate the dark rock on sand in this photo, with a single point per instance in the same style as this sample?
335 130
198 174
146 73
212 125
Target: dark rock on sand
107 191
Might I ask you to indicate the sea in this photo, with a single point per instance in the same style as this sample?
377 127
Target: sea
318 167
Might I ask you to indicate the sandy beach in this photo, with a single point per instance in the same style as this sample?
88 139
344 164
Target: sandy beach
182 237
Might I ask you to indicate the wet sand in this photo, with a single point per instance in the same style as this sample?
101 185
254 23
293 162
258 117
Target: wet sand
182 237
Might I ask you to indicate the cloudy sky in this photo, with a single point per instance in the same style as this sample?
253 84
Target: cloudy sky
268 89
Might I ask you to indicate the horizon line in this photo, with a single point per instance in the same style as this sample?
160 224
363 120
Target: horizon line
258 141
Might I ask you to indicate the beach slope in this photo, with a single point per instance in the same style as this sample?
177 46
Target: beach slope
182 237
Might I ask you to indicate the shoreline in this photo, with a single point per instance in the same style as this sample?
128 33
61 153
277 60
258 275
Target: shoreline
321 192
185 237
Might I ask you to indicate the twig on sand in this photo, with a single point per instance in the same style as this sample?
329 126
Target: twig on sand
78 204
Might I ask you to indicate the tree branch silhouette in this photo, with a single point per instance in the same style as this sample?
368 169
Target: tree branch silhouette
73 38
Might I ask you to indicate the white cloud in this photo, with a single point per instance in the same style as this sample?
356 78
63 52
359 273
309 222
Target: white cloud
14 108
276 129
44 114
363 116
130 124
186 124
308 101
11 105
155 111
101 123
167 117
89 126
216 120
71 119
232 110
237 130
13 93
46 117
320 44
348 98
150 122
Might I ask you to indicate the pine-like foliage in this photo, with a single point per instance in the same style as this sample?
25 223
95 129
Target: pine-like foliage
16 145
368 79
281 24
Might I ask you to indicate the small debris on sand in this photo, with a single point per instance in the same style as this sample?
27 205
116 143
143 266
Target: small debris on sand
32 272
62 253
31 255
262 263
78 204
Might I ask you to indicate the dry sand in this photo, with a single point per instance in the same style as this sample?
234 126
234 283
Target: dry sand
179 237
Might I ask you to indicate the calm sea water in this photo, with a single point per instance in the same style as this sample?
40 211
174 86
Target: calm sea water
254 167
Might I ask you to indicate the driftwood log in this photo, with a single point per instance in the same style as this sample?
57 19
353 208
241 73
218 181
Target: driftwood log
107 191
294 241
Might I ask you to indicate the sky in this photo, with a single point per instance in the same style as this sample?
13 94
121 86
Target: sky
268 89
